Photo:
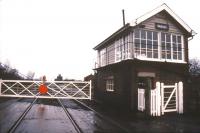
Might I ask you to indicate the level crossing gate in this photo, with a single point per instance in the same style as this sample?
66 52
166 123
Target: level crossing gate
56 89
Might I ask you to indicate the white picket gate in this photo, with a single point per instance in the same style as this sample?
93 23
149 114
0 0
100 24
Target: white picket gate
141 99
155 101
56 89
166 98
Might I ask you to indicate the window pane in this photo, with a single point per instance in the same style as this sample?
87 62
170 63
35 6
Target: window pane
143 34
149 35
155 36
174 39
163 46
137 43
179 39
149 54
137 34
168 38
174 47
155 53
143 43
155 45
162 37
168 46
179 47
163 54
179 55
149 44
168 54
174 55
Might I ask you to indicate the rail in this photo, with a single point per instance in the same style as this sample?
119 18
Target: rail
20 119
77 128
111 121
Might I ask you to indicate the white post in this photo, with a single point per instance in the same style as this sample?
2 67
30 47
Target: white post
180 97
162 98
90 90
0 85
158 98
176 97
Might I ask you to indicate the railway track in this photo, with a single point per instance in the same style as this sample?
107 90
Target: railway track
101 116
79 112
16 124
78 129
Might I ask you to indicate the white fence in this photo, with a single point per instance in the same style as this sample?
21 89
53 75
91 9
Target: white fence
155 101
56 89
166 98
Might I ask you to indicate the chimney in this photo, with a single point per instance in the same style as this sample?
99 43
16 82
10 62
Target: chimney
123 17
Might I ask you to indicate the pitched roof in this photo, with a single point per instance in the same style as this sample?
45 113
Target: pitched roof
146 16
168 10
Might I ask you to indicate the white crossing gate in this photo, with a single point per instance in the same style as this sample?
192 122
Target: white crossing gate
169 98
141 99
166 98
56 89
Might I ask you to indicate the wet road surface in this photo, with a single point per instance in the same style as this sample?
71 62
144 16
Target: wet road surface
88 121
45 119
10 111
47 116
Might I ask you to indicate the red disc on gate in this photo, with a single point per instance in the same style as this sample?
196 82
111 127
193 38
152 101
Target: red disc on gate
43 89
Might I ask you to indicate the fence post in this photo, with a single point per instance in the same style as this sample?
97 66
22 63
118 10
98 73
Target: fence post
180 97
162 98
0 85
177 98
158 95
90 90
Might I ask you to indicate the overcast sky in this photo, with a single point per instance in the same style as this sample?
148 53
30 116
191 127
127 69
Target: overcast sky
51 37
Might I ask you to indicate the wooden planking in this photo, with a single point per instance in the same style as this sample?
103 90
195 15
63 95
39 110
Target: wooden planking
111 54
161 18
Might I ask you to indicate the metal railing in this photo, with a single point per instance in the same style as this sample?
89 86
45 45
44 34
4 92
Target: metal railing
56 89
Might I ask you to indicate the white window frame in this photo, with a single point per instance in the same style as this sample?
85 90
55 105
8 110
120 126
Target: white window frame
160 48
102 57
145 57
110 84
171 43
118 55
122 48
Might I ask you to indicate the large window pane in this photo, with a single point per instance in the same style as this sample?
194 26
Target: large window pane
149 44
174 39
162 37
168 38
149 35
143 34
137 34
155 44
155 36
145 44
180 55
179 39
175 55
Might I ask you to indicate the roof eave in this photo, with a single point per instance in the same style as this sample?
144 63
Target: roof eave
112 36
168 10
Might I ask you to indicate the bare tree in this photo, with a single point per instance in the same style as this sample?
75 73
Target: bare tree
30 74
194 84
194 67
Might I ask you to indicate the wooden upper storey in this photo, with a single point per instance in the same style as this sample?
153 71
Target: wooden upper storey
159 35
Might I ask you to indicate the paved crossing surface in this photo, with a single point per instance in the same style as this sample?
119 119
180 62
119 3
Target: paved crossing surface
47 115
